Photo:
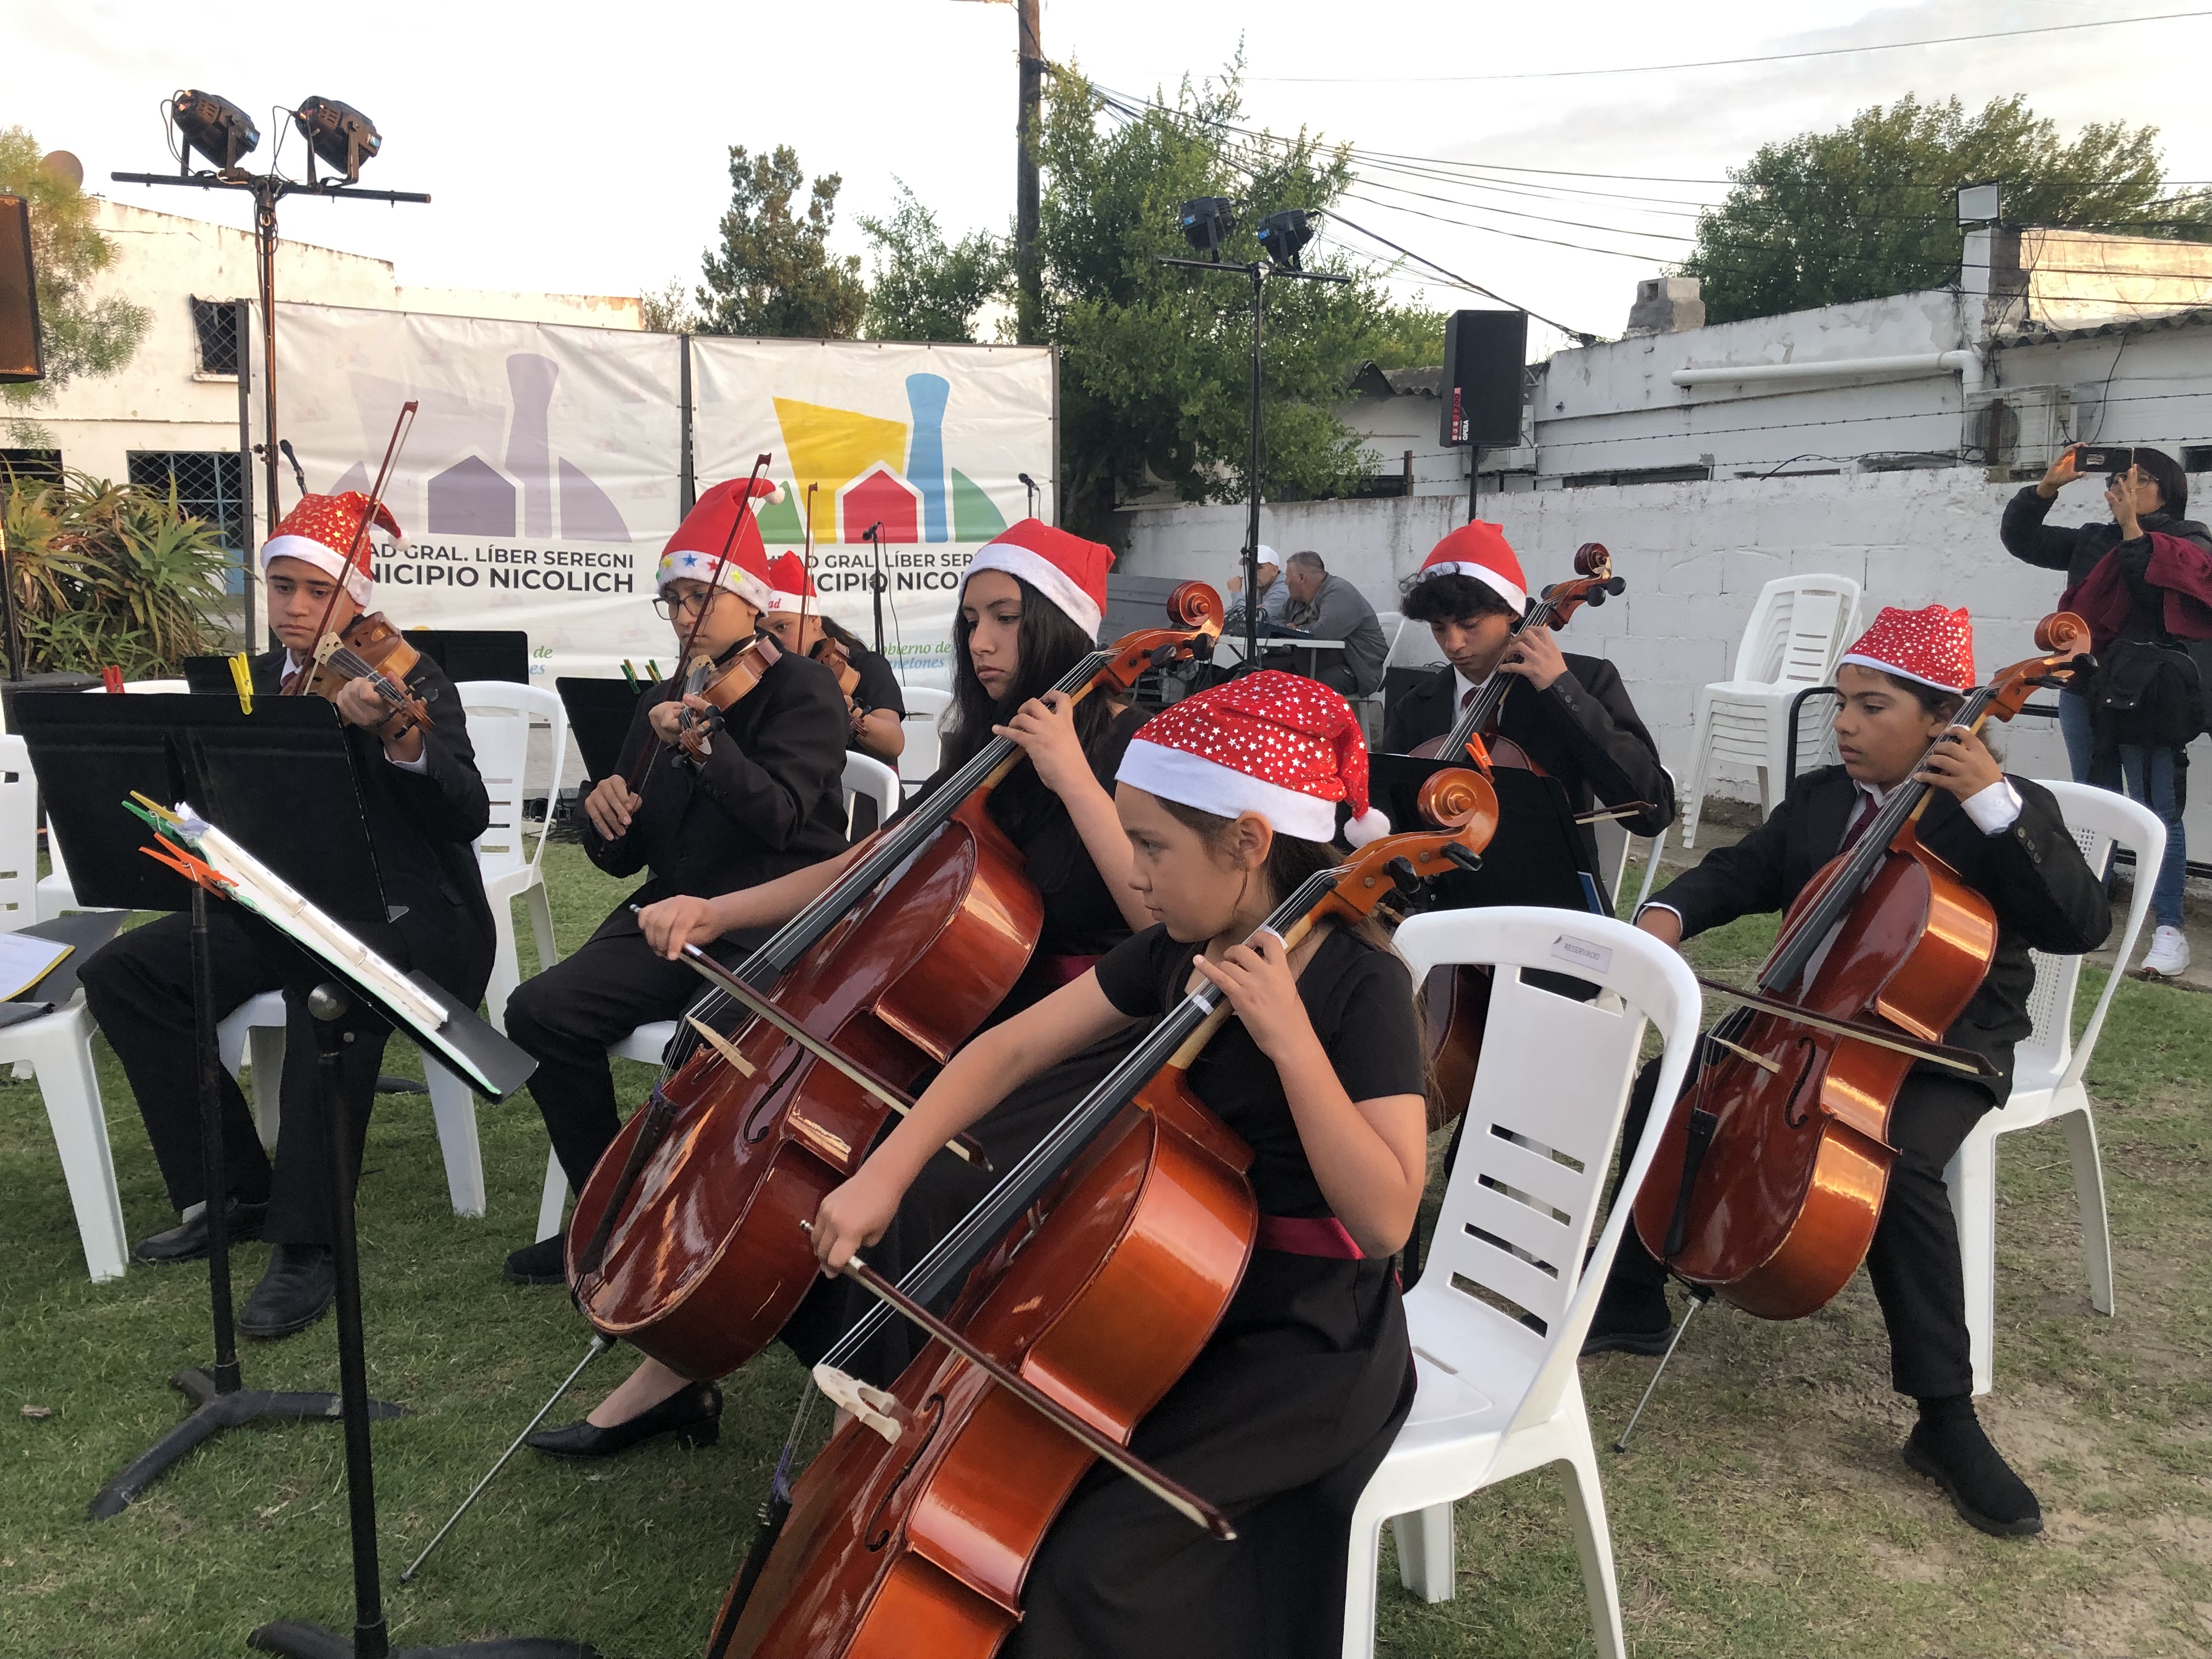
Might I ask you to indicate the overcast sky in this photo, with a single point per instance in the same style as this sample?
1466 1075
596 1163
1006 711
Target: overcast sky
584 149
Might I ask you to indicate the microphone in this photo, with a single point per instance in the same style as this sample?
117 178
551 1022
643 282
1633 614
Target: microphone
299 472
1027 480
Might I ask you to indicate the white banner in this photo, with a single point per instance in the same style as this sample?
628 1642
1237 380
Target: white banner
930 442
538 484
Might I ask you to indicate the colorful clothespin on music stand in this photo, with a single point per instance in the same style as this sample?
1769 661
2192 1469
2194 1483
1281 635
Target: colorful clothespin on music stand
630 674
112 678
653 669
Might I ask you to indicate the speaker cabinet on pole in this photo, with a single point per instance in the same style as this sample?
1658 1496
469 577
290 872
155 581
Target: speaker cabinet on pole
18 295
1484 352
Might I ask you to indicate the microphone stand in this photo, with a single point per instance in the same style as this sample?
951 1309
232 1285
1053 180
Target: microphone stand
873 535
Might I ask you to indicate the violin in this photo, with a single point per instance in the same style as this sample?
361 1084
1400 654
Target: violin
1457 999
684 1242
832 654
1770 1178
1095 1273
371 650
721 683
1473 732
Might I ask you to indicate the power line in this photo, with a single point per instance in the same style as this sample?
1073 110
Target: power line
1726 62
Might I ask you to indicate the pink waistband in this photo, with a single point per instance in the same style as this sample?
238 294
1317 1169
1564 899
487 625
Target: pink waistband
1065 970
1323 1236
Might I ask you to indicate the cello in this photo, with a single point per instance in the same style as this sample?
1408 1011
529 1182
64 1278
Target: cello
1095 1272
1769 1178
685 1240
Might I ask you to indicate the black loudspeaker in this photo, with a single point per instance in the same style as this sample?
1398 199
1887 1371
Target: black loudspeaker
19 296
1484 355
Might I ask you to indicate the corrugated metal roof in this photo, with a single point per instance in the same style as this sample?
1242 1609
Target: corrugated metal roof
2033 334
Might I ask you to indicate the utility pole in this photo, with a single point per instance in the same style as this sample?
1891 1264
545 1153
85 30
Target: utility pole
1031 302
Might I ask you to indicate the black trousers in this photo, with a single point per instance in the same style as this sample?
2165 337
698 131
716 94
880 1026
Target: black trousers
139 989
566 1017
1914 1259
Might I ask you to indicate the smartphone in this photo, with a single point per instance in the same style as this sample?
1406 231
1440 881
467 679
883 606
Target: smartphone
2092 458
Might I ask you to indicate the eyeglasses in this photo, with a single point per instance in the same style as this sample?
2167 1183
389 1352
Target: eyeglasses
669 607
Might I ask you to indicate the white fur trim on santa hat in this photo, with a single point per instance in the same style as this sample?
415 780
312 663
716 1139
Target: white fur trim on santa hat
1497 584
308 551
1042 573
1177 774
1858 660
679 564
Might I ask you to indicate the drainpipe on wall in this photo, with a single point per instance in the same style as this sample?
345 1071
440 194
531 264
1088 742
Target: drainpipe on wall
1966 365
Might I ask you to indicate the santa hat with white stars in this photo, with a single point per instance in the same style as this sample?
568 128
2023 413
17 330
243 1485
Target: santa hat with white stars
322 530
1934 646
1067 569
693 551
1278 744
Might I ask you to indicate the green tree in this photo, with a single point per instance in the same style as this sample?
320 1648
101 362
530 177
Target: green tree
926 287
668 310
774 274
80 335
1155 360
1868 209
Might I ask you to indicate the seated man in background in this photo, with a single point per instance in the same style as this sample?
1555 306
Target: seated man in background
1330 608
1274 593
766 800
875 705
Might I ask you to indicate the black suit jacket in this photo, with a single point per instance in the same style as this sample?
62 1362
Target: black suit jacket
2032 874
423 826
1582 729
768 799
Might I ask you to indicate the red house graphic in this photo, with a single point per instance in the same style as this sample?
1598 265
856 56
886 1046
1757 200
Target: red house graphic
881 496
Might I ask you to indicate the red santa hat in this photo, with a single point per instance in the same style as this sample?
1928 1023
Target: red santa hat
1480 550
1067 569
1934 646
1278 744
791 585
321 530
706 531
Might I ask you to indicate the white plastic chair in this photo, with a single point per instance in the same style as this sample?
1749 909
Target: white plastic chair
1498 1315
1799 627
647 1043
2047 1073
19 837
1612 831
924 708
255 1030
58 1046
500 715
870 778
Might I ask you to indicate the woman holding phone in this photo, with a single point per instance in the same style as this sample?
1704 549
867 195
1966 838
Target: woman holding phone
2143 582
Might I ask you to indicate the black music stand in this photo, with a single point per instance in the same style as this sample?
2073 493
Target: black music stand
599 714
90 754
1537 855
475 653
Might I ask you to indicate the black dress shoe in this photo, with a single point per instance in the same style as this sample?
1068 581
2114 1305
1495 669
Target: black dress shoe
544 1262
693 1412
1634 1321
1958 1457
296 1292
188 1240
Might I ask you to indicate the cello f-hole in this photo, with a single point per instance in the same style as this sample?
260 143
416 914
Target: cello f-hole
1794 1113
877 1532
761 1120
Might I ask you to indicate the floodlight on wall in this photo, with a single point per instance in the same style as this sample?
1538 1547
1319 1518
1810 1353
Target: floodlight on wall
338 133
214 126
1978 203
1283 234
1206 221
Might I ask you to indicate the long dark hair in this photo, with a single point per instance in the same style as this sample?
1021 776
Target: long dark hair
1050 644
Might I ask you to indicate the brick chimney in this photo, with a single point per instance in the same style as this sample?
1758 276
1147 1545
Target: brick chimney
1666 305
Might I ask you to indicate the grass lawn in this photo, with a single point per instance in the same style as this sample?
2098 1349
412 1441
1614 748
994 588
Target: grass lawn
1762 1512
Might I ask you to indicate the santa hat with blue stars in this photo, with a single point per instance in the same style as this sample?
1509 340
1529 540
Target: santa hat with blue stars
699 540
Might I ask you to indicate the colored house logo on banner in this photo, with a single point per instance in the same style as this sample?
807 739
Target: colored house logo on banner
871 471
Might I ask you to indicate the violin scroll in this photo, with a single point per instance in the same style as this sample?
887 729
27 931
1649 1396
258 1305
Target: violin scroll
2061 634
1455 797
1467 808
1195 605
1591 559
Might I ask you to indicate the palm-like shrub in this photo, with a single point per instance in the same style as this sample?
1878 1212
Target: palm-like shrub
110 573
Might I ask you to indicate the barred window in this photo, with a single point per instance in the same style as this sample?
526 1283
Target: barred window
215 323
209 485
29 466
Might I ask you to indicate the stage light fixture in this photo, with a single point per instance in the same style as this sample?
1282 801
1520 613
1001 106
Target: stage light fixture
338 133
1207 223
1282 234
214 126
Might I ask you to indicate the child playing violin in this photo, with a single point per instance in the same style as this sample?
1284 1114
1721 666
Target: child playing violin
1229 799
1903 683
1029 607
874 702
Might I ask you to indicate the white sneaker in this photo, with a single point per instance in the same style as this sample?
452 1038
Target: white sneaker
2169 954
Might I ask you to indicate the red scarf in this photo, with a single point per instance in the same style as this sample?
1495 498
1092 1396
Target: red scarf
2181 568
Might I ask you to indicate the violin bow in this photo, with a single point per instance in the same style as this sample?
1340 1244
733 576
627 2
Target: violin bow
400 428
1959 1059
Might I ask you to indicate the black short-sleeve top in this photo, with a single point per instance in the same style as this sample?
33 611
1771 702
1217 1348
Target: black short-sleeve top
1360 999
878 686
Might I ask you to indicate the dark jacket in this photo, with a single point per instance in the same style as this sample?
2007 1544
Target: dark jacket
2032 875
2079 551
1582 729
768 799
1340 612
423 825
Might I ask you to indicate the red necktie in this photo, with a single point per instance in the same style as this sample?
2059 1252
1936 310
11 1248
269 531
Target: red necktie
1467 699
1860 819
